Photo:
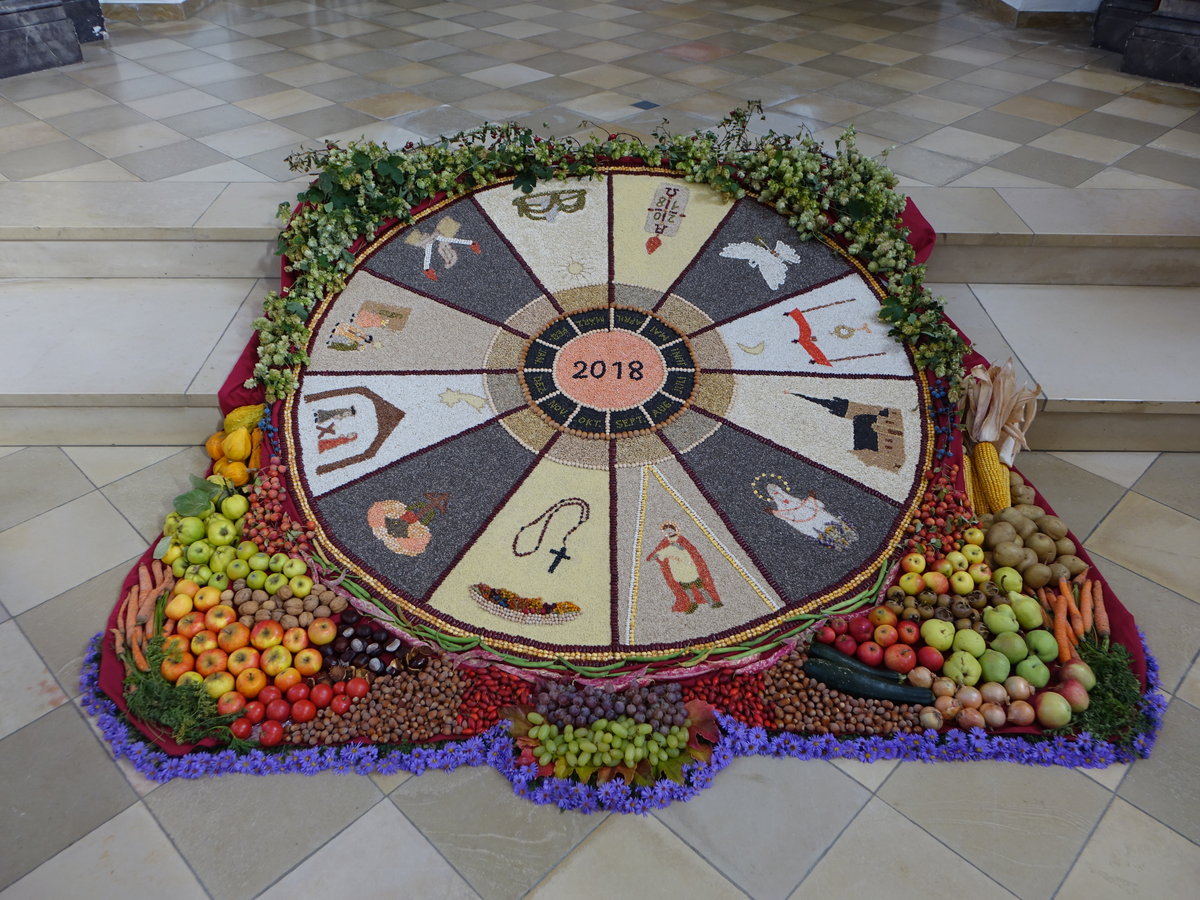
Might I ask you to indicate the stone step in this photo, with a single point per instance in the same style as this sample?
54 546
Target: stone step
140 360
997 236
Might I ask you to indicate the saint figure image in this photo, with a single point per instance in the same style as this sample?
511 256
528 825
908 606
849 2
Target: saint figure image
810 517
685 571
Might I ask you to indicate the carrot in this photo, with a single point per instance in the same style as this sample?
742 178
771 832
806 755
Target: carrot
121 610
118 641
146 608
1062 629
1047 620
144 583
135 647
168 626
1085 605
1100 614
1081 577
131 610
1044 600
157 568
1075 615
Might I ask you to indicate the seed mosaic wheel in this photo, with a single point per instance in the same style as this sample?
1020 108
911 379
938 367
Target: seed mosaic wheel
648 421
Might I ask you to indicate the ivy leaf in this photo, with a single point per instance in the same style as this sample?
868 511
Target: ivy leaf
525 181
195 501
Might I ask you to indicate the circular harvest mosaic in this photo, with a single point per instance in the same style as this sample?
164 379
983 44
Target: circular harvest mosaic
607 420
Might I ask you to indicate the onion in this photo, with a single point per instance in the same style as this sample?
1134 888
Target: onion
930 717
994 692
970 718
1020 713
1018 688
948 706
920 677
944 687
969 696
993 715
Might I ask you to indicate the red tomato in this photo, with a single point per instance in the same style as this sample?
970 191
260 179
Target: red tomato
340 704
339 687
320 695
241 728
357 687
303 710
255 711
271 733
269 693
297 692
279 710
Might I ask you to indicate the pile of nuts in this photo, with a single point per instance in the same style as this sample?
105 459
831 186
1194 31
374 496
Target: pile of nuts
283 606
806 706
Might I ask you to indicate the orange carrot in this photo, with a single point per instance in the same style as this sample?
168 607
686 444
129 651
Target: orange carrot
135 647
1099 613
168 626
157 568
1062 629
1081 577
1044 600
1085 605
118 641
121 611
146 607
1075 615
144 583
131 610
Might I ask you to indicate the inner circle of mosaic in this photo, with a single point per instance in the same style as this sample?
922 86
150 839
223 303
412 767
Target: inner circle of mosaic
613 421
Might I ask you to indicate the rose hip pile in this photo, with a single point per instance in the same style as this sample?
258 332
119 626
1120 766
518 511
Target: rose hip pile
267 523
944 514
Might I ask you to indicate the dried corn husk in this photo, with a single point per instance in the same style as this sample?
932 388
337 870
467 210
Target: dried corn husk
995 410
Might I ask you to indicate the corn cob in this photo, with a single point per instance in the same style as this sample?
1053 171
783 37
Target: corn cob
992 476
970 482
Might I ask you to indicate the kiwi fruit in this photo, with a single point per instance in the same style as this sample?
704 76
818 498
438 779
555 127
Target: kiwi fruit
999 533
1053 526
1043 545
1074 564
1007 554
1036 576
1066 547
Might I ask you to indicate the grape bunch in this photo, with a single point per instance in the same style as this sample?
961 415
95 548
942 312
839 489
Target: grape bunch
659 706
605 742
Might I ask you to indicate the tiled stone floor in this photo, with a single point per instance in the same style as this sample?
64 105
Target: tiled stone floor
224 97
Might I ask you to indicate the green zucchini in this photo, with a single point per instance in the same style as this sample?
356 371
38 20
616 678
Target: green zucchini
868 687
853 663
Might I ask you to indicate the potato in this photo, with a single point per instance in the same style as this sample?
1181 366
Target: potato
998 534
1007 554
1074 564
1030 511
1028 558
1053 526
1043 545
1065 547
1036 576
1024 495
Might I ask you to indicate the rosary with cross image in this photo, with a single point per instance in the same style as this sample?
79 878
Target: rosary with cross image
559 554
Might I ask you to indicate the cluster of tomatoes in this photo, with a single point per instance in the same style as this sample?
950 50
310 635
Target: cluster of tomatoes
268 522
937 526
298 704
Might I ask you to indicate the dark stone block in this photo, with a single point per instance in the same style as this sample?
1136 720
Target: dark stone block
1115 19
1165 47
88 19
35 35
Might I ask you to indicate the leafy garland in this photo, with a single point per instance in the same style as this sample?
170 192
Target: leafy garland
847 196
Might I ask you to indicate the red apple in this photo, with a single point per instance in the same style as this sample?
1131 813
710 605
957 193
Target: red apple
243 658
233 636
886 635
942 565
275 659
270 733
219 616
980 571
266 634
826 635
231 702
870 653
279 710
190 625
846 644
254 711
900 658
295 639
251 682
320 695
937 582
861 628
210 661
1075 693
913 562
911 583
881 615
340 704
931 658
839 624
909 631
308 661
173 669
204 640
322 631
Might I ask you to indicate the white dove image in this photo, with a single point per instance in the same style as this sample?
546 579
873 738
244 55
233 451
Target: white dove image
771 263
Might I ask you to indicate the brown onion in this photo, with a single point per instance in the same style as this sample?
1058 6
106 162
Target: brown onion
930 717
1018 688
994 692
969 696
948 706
1020 713
993 715
969 718
920 677
944 687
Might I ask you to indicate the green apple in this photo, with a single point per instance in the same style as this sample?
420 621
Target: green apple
188 529
246 549
199 552
1012 645
219 580
274 582
259 562
179 567
221 532
171 524
237 568
1034 671
278 561
199 574
962 667
994 666
256 579
293 567
211 508
221 558
938 634
301 586
970 640
1042 644
235 506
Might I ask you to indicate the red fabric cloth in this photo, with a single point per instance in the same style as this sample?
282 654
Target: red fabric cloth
920 233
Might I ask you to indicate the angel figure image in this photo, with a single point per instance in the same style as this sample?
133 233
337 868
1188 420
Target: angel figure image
811 518
771 264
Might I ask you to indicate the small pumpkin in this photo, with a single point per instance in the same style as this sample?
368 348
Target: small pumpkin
213 445
237 445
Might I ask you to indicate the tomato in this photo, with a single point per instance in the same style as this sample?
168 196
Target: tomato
339 687
269 693
340 704
241 728
303 710
357 687
271 733
279 710
297 692
320 695
255 711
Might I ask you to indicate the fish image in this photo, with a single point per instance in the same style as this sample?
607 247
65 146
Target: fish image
771 264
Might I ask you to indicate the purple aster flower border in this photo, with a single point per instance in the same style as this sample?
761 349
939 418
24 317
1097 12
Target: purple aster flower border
494 748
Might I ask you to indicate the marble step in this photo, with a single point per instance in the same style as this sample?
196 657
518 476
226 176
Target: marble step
139 360
997 236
